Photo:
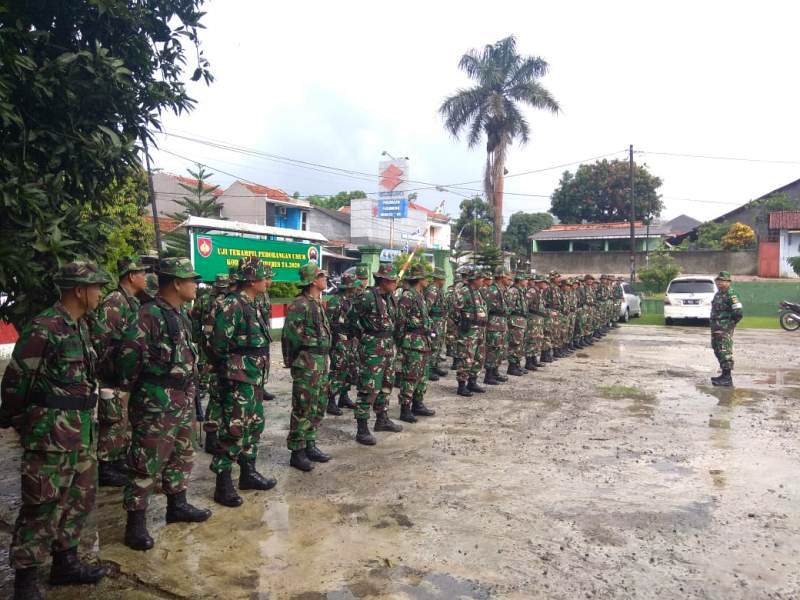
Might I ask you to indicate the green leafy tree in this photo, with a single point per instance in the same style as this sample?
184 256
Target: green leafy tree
336 202
505 81
659 272
521 226
201 202
489 256
709 237
80 83
416 258
600 193
475 219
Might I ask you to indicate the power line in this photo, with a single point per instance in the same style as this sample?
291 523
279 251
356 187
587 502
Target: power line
710 157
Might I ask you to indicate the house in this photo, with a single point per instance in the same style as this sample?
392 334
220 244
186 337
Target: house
681 224
261 205
598 237
421 225
168 190
333 224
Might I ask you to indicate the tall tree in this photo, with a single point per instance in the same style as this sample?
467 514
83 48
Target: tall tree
201 201
600 193
338 201
505 81
521 226
473 222
80 83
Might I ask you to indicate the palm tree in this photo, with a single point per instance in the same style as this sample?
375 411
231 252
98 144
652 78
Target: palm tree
505 80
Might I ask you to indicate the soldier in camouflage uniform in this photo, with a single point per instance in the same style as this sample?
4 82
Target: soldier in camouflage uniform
49 392
239 352
726 312
372 318
470 315
591 316
306 345
117 311
206 318
437 309
553 300
535 342
158 363
264 303
342 347
497 327
451 326
517 323
415 335
150 288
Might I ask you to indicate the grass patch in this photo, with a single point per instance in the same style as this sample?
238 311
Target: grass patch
746 323
623 391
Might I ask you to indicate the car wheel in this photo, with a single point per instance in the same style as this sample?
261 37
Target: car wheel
626 316
668 321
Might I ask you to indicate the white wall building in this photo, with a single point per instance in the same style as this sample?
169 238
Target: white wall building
367 228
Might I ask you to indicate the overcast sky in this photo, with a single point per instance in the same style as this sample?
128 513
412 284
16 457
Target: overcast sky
336 83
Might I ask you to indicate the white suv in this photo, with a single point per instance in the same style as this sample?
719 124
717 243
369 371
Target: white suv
689 298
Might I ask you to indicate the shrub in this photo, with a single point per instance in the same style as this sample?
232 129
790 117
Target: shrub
661 270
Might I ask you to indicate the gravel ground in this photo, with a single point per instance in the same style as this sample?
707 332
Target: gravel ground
616 473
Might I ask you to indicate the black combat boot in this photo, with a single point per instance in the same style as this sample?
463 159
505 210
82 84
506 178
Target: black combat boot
345 402
489 378
439 371
68 569
251 479
363 435
463 390
547 356
268 396
453 367
180 511
498 376
407 415
300 461
225 493
26 586
432 376
724 380
384 423
315 454
530 363
109 476
121 465
332 408
211 445
418 408
515 371
136 535
472 386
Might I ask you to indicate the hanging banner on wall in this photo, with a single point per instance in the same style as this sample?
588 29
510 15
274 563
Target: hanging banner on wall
213 254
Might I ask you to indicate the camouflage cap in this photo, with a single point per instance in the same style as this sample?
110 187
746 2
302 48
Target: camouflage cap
417 271
540 278
588 277
386 271
362 271
233 274
128 264
486 273
80 273
473 273
180 268
151 285
724 276
309 272
521 275
221 281
268 272
438 273
554 274
501 271
348 281
251 269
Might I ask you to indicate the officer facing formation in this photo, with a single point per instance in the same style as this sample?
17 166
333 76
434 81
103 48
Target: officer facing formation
726 312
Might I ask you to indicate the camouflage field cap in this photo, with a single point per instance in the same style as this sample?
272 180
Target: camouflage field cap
521 276
473 273
438 273
151 284
128 264
386 271
362 272
540 278
233 274
588 277
501 271
486 273
251 269
348 281
268 272
724 276
309 272
180 268
553 274
417 271
221 281
80 273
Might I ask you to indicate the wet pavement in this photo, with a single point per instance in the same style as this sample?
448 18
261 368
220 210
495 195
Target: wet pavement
617 473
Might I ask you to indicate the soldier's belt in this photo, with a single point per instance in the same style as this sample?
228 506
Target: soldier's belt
315 349
251 350
167 381
379 334
64 402
497 313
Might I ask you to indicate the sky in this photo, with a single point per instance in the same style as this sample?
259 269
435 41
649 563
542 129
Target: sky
338 83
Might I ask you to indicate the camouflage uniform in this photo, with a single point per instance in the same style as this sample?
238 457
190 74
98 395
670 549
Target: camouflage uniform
537 313
437 309
517 322
49 391
497 327
343 345
306 345
726 312
554 303
207 317
471 315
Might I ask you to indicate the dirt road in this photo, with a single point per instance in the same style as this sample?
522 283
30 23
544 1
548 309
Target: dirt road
617 473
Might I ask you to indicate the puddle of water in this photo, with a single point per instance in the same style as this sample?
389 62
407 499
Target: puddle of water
719 423
781 377
732 396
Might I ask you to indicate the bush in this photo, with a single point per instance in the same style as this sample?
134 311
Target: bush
661 270
794 261
283 289
739 237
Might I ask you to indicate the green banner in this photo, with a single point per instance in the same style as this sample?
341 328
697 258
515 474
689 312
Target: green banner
214 254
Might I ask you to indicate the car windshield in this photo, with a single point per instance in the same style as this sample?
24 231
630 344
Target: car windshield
691 286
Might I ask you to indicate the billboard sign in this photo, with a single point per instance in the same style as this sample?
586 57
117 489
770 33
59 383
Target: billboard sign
392 186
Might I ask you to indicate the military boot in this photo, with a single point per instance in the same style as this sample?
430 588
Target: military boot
530 363
547 357
345 402
26 586
418 408
68 569
407 415
315 454
268 396
251 479
453 367
515 370
439 371
384 423
109 476
332 408
180 511
489 378
432 376
363 435
211 445
463 390
473 386
724 380
224 492
498 376
300 460
136 535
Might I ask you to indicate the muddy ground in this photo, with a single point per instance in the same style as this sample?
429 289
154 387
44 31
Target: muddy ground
617 473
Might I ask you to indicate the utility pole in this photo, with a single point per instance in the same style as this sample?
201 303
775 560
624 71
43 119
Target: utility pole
632 218
152 193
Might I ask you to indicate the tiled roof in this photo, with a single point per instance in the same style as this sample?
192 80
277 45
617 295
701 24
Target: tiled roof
164 223
432 214
271 193
785 219
585 231
215 190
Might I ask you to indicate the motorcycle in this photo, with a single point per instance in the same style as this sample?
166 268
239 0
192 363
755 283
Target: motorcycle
789 316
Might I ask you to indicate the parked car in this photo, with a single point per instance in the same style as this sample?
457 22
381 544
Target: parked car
631 303
689 298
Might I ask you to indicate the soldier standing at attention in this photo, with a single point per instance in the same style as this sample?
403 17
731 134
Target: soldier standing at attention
517 322
118 310
342 347
49 392
373 316
413 332
470 316
240 354
726 312
437 309
264 303
213 413
158 362
306 343
497 328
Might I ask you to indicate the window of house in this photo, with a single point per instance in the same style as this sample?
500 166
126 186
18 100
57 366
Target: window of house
304 220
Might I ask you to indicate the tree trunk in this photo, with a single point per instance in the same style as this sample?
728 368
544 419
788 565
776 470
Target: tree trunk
498 208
